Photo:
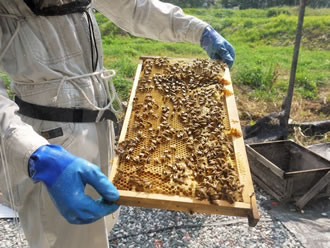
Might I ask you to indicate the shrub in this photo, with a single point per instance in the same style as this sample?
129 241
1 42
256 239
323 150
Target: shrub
257 76
248 24
277 12
251 76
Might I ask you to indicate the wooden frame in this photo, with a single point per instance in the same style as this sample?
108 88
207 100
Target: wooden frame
300 185
246 208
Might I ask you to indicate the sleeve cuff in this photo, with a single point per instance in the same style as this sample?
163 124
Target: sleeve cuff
195 31
20 145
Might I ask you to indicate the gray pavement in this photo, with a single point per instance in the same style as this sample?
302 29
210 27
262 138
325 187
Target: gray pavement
140 227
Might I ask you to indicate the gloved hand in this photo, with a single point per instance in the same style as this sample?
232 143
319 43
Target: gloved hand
217 47
66 176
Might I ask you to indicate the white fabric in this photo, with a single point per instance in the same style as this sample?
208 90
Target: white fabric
7 213
152 19
44 51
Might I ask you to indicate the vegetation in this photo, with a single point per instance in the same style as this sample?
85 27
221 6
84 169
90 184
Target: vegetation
263 40
275 26
246 4
6 81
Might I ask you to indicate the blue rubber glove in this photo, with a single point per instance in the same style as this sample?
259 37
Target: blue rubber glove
66 176
217 47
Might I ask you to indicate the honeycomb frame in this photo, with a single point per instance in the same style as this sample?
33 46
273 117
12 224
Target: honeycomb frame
168 196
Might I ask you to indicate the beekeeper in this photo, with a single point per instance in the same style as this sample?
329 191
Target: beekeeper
51 49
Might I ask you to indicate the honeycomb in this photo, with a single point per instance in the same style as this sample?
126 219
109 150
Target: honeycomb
179 141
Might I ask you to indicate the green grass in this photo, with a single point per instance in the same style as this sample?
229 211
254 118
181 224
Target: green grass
263 40
254 25
6 81
255 65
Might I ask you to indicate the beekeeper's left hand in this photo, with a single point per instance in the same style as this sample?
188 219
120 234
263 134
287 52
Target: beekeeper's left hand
217 47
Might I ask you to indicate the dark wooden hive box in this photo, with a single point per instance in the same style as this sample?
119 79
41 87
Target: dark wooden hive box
289 171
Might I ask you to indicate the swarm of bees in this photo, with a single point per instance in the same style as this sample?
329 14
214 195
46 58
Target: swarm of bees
177 142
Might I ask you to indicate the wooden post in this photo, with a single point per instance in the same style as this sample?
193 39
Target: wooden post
286 106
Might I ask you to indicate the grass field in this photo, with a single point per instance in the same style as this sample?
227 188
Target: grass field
263 40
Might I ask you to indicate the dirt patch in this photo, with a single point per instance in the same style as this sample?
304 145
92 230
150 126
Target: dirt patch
316 41
309 41
302 110
325 109
250 110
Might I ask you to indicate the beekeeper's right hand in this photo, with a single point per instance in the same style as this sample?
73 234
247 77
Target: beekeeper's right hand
65 177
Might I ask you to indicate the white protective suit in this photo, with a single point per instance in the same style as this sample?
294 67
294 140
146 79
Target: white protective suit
40 54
